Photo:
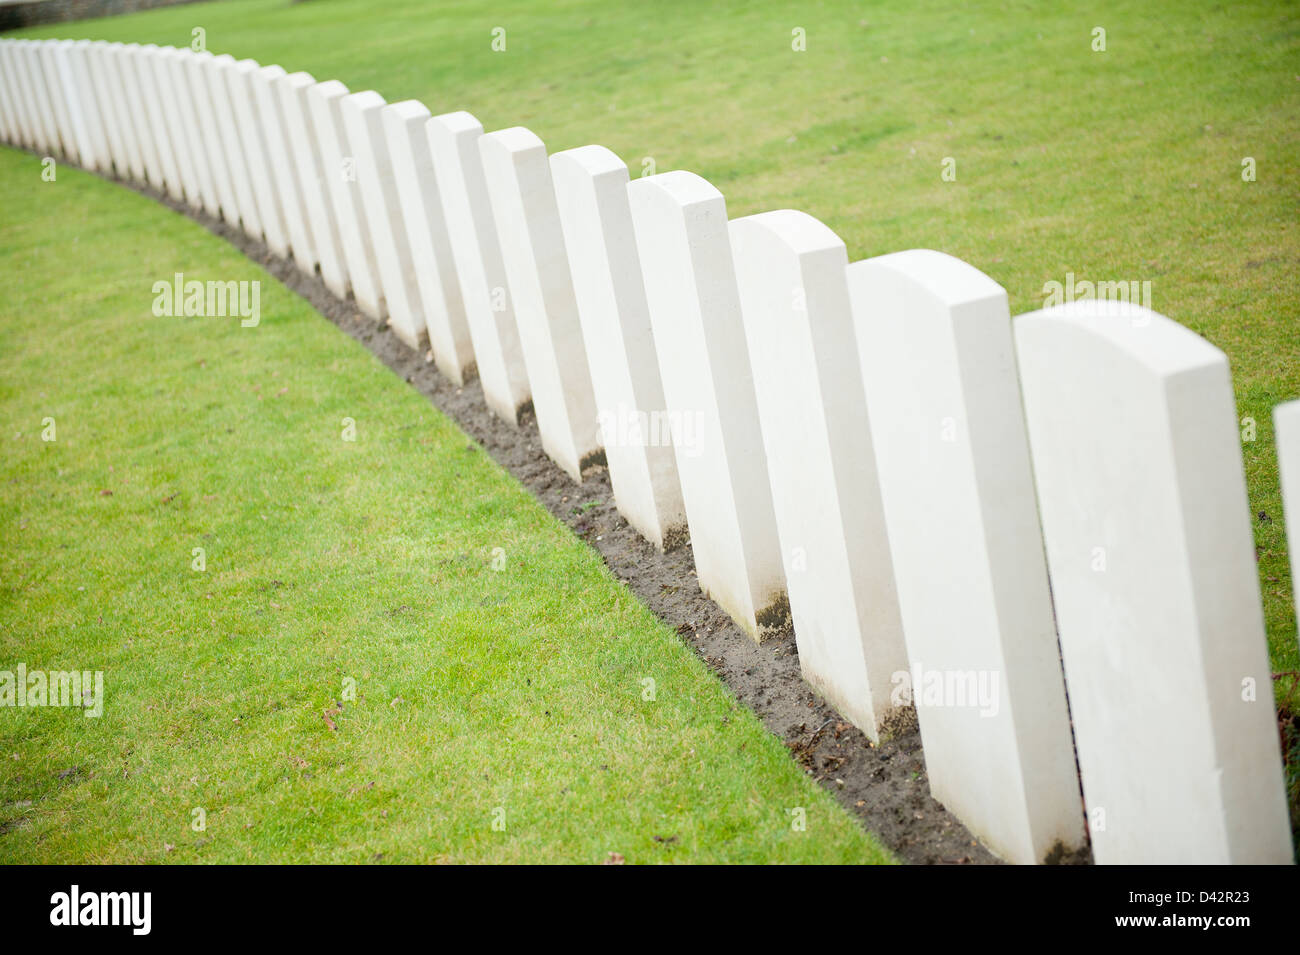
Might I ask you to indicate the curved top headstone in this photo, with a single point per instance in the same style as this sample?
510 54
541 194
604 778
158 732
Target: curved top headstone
1136 451
939 365
680 222
799 329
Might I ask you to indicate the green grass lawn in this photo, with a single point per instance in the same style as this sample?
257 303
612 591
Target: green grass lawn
1122 165
481 694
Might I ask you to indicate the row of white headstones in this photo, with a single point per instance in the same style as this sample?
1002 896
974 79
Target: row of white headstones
984 512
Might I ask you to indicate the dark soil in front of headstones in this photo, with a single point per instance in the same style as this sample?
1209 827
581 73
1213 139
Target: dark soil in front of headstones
884 785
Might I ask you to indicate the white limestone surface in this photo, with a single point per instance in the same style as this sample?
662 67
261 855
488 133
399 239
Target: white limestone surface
680 222
591 196
308 165
453 143
425 223
813 411
381 208
1286 429
339 169
1137 459
938 363
518 178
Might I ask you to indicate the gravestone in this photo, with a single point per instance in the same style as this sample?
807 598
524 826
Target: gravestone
432 261
115 60
50 98
46 64
182 146
339 168
163 140
518 178
219 69
8 109
591 195
8 112
46 137
200 154
1286 427
51 135
248 119
680 222
56 142
306 153
145 134
199 68
16 75
71 106
453 142
283 176
813 411
89 97
382 209
21 127
937 358
100 76
1137 459
20 61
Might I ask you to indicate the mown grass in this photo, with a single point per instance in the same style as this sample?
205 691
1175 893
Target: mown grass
1122 165
514 694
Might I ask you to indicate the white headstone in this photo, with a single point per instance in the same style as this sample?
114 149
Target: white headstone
938 362
9 110
141 135
48 134
1136 454
101 75
1286 426
308 164
591 195
426 231
127 151
453 141
164 141
17 93
200 68
42 122
88 97
339 168
813 411
680 222
122 70
71 107
13 127
200 155
257 155
382 208
182 146
47 75
38 77
518 178
26 95
27 88
284 179
51 85
218 70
